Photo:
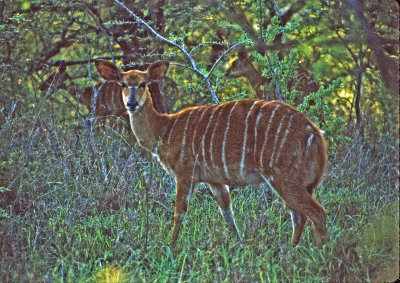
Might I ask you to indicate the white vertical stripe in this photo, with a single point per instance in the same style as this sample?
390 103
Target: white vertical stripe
197 127
212 138
260 114
172 128
276 139
310 140
184 134
204 138
224 141
245 138
284 138
266 135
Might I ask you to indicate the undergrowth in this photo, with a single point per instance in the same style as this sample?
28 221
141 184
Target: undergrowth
83 204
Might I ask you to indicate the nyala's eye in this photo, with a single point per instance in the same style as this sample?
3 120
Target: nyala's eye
142 85
123 84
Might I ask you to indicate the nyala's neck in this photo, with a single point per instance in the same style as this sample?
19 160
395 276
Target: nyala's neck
148 125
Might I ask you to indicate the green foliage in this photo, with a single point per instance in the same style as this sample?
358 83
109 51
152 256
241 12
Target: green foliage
81 201
82 215
381 234
24 4
322 114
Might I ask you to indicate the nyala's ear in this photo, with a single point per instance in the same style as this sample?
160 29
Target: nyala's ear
157 70
242 54
108 70
62 67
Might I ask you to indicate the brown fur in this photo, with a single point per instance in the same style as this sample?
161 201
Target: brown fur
232 144
109 99
56 79
243 67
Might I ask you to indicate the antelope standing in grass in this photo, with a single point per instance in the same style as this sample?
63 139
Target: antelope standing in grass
243 67
109 98
233 144
56 79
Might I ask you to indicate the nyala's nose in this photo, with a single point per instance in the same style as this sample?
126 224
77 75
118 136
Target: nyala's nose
132 103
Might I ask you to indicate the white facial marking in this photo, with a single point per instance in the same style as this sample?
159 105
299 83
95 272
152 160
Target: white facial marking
227 213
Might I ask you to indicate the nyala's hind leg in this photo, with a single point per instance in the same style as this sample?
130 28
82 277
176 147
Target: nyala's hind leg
223 198
304 205
298 222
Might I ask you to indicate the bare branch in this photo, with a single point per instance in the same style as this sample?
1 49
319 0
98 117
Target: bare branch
186 53
222 56
96 17
347 47
95 92
2 6
238 15
187 67
62 94
158 35
386 65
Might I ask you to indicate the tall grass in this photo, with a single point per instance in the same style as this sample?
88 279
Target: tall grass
89 205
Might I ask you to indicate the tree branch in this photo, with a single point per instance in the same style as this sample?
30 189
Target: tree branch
387 66
238 16
347 47
222 56
96 17
2 6
180 48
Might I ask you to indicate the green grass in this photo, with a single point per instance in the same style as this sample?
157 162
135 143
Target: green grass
79 206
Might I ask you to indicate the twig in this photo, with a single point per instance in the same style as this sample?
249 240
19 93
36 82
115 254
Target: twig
237 15
59 92
277 89
95 91
347 47
186 53
99 22
81 62
223 54
147 206
187 67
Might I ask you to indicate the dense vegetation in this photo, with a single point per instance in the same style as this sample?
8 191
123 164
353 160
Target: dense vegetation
81 201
